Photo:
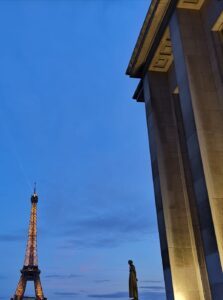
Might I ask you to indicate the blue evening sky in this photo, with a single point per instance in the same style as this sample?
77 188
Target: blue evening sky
67 121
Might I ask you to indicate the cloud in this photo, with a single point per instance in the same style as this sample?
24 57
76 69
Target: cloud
152 295
152 281
58 276
110 296
96 242
107 231
121 223
144 296
153 288
66 294
108 216
102 280
11 238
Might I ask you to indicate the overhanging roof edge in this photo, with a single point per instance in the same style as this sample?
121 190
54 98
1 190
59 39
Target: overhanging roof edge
132 71
141 37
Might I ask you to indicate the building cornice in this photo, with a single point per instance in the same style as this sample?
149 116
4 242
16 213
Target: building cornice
139 92
155 24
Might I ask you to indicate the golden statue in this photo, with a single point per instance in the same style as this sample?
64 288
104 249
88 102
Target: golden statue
133 289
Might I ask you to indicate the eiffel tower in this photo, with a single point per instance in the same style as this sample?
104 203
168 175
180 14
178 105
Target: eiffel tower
30 270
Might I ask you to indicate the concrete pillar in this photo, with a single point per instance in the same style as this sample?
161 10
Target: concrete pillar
196 81
186 273
150 117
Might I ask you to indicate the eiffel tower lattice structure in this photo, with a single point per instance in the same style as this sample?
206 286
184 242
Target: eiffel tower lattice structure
30 270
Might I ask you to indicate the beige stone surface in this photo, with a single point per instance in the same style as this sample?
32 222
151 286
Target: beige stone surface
208 112
185 269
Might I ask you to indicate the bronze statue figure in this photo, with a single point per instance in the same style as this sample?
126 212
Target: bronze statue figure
133 289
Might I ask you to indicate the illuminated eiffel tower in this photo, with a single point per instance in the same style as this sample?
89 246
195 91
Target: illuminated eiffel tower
30 270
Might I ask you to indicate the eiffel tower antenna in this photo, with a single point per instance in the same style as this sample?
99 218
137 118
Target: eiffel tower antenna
34 187
30 270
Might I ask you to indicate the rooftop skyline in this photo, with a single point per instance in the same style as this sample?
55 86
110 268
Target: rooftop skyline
67 121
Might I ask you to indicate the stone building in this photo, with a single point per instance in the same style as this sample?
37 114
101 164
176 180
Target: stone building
178 58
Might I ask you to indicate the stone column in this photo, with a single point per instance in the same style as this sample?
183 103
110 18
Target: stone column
196 82
150 117
182 252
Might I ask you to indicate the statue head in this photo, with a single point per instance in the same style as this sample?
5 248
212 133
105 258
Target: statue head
130 262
